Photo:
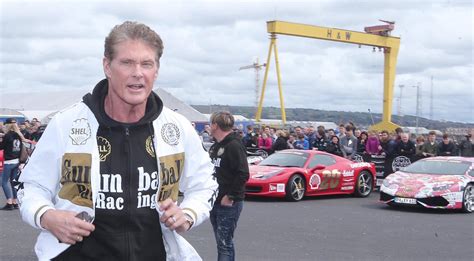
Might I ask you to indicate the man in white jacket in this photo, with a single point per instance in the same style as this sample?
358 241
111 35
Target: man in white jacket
104 179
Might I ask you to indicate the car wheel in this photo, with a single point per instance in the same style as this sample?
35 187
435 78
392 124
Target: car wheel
295 188
364 184
468 199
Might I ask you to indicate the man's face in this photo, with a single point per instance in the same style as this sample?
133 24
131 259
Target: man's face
213 129
267 130
342 130
432 138
131 73
404 137
297 130
357 133
384 136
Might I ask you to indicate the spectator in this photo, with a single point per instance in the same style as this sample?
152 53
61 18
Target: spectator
357 133
446 147
291 141
320 142
342 131
466 147
265 142
398 134
405 147
420 141
12 144
372 144
348 143
232 172
430 147
330 133
301 143
273 134
281 142
333 146
312 135
361 142
206 134
250 139
387 145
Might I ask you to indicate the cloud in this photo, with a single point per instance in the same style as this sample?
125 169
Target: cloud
57 45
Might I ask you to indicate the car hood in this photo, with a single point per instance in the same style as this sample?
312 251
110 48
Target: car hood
404 184
262 172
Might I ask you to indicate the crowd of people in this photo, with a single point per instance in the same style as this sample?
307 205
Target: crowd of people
16 137
348 141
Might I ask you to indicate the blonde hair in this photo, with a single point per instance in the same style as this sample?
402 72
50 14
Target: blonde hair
14 127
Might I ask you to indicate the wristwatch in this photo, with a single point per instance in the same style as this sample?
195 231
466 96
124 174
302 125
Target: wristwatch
189 220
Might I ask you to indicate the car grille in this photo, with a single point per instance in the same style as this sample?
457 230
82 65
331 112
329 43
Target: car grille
434 201
253 189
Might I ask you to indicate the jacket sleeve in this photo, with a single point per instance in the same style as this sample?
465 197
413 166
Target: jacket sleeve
41 176
239 165
198 184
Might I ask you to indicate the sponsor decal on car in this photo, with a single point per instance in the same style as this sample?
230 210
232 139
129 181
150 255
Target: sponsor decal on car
278 187
348 173
400 162
347 188
314 181
360 165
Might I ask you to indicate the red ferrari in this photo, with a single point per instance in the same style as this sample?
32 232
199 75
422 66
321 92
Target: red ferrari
294 174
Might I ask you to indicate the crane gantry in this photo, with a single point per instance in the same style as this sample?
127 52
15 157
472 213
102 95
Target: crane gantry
257 67
376 36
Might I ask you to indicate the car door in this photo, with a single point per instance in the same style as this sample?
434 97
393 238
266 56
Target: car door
324 181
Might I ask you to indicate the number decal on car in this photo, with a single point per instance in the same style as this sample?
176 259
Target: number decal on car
330 179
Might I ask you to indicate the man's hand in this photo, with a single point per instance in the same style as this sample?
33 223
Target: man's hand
65 226
173 216
226 201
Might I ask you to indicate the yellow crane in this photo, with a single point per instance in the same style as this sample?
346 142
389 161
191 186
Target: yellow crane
376 36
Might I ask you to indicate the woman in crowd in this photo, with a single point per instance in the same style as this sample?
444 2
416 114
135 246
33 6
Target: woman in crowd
361 142
372 144
333 146
11 144
280 142
265 142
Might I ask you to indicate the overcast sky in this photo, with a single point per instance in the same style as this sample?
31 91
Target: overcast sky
58 45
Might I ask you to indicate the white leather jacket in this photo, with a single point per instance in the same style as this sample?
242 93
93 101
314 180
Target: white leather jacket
73 130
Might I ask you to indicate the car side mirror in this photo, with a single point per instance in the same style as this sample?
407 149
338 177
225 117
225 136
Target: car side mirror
317 167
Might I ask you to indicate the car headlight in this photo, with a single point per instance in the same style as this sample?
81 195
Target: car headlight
442 187
267 175
386 183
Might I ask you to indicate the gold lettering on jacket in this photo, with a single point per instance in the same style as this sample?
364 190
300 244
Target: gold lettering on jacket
171 168
76 179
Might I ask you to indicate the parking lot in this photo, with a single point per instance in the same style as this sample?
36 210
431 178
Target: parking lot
321 228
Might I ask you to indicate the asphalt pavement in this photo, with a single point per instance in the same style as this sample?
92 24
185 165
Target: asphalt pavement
317 228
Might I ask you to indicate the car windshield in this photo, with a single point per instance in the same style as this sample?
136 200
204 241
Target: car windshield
438 167
285 159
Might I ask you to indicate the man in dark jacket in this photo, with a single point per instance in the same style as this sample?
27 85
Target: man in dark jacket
466 148
405 147
232 172
446 147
